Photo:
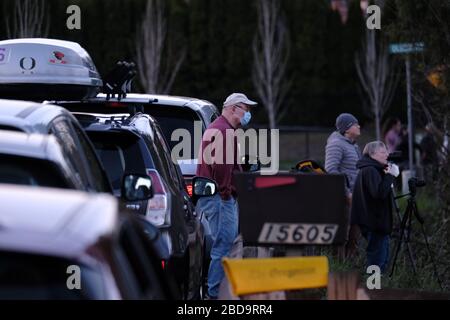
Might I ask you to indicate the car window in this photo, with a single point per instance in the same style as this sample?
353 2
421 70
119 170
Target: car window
214 117
161 144
10 128
66 137
30 276
31 172
159 159
100 180
169 121
119 152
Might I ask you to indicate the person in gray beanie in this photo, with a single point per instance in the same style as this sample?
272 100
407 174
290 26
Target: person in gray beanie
341 155
345 121
342 152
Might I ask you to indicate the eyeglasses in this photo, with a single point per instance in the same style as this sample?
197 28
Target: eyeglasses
246 109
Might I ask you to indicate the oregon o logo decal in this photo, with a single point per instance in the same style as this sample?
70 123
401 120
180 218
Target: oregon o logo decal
27 63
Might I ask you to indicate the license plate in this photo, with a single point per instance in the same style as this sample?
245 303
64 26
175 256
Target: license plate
292 233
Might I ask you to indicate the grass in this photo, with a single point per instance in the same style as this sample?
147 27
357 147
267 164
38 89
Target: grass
436 228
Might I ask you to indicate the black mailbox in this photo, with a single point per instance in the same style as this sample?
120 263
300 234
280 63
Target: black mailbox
292 208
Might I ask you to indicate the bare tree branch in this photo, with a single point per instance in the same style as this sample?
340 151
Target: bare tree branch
28 20
376 73
271 53
151 47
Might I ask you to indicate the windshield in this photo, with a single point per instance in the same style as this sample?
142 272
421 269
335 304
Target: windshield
170 121
119 152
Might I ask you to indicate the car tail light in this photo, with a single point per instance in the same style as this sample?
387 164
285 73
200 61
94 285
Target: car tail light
158 211
116 104
189 189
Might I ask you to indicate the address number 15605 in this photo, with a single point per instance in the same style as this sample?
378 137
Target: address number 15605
291 233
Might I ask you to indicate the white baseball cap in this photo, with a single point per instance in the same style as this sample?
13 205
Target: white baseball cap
236 98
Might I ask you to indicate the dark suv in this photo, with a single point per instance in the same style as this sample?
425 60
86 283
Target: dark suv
171 112
136 144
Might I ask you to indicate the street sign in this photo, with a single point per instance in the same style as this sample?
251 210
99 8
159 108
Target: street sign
404 48
292 208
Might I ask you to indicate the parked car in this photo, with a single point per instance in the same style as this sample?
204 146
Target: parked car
171 112
36 160
135 143
63 71
65 244
29 117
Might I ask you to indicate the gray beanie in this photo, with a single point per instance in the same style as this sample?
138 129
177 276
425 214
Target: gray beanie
344 121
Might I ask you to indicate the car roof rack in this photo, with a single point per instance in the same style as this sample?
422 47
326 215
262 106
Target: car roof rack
119 79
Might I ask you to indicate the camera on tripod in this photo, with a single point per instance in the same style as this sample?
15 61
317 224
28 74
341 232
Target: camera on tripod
414 183
412 211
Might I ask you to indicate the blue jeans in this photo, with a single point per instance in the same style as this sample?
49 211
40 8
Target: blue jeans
378 250
222 217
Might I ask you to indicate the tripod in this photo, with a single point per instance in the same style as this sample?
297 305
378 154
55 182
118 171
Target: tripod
405 231
408 245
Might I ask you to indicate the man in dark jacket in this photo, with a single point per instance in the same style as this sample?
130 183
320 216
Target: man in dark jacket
372 202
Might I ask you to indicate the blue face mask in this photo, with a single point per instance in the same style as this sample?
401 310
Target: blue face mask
246 118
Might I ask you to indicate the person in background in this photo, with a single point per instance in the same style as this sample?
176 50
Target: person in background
341 155
372 202
392 134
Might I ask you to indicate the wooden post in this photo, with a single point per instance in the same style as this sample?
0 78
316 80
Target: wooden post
343 286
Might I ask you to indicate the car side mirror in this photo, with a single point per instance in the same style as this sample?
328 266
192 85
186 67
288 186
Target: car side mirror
136 187
203 187
250 163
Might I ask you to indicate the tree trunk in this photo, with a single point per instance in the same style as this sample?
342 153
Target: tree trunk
28 20
378 126
377 77
270 51
152 51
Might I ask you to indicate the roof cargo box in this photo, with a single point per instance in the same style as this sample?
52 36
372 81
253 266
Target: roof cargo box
46 69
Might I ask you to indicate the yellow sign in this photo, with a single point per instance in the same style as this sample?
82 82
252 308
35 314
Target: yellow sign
248 276
436 77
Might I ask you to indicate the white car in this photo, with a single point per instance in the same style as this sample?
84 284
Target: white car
61 244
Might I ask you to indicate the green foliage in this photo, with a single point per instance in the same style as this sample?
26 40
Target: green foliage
428 21
437 230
